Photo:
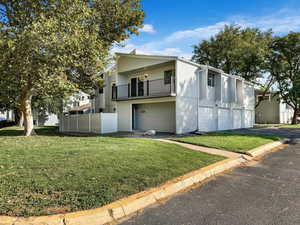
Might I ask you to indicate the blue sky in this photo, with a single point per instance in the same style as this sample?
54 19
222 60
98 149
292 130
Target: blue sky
172 27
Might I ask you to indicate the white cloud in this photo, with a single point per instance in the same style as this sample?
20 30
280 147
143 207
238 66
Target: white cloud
198 33
281 22
147 28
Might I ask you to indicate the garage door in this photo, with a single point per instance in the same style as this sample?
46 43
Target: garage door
237 119
155 116
249 120
207 119
224 119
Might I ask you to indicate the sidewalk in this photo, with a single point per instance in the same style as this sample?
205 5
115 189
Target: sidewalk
213 151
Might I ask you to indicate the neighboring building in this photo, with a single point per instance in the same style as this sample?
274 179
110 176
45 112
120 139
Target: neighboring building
78 103
102 101
271 109
170 94
7 115
81 109
45 118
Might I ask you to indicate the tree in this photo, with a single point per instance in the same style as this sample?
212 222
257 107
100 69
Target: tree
236 51
51 47
285 67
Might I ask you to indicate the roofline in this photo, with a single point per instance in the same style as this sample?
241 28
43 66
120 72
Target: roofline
147 56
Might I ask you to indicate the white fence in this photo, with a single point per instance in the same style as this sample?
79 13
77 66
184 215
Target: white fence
100 123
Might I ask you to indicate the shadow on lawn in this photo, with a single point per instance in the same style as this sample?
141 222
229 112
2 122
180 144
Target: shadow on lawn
43 131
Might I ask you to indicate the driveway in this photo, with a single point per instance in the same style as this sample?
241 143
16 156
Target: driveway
262 193
284 132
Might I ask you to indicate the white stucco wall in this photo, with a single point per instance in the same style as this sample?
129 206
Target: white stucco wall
187 97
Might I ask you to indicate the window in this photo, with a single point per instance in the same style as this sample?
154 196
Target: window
211 78
114 91
167 76
263 98
100 90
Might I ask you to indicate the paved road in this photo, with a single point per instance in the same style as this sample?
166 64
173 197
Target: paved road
284 132
265 193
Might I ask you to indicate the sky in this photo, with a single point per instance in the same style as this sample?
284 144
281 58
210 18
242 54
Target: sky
172 27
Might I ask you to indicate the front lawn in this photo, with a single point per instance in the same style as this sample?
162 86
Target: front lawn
235 142
49 174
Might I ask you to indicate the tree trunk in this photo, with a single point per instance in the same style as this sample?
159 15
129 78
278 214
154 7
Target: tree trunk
295 116
21 119
27 114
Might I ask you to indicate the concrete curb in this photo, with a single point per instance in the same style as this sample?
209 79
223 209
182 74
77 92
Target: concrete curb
266 148
129 205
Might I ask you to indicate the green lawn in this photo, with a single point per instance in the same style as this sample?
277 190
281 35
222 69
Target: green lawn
229 141
49 174
279 125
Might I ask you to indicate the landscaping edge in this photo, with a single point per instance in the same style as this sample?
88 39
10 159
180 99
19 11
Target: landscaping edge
261 150
125 207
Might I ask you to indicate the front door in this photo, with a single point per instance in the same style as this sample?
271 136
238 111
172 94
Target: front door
136 87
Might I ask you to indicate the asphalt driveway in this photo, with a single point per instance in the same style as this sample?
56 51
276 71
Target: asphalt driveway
262 193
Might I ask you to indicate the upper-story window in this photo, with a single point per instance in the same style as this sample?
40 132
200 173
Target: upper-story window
211 78
168 76
100 90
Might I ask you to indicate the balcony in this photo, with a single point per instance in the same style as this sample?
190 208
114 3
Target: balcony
137 89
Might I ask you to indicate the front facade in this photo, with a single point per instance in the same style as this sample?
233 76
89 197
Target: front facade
170 94
271 109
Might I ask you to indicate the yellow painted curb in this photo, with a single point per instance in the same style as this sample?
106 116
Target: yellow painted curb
129 205
266 148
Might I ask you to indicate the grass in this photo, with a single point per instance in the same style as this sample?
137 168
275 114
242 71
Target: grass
48 173
279 125
235 142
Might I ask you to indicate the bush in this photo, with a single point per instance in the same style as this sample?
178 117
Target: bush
6 123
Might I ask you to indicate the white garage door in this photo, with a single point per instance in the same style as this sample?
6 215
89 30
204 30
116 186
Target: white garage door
207 119
237 119
249 118
155 116
224 119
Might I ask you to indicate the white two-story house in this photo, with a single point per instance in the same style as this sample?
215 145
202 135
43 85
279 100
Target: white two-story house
171 94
